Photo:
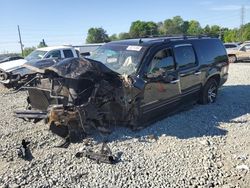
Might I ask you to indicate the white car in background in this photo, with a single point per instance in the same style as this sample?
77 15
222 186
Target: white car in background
237 52
57 52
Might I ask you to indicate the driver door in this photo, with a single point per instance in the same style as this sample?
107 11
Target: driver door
162 89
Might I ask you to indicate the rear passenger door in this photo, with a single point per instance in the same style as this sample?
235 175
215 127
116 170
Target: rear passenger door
190 75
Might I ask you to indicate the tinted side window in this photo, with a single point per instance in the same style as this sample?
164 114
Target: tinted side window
184 56
230 46
210 50
68 53
163 59
54 54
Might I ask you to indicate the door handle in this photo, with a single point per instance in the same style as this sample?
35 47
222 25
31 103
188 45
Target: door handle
197 73
174 81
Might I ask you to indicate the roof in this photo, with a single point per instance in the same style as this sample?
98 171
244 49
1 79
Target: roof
54 48
152 40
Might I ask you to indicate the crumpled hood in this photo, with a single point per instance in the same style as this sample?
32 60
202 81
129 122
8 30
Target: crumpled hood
34 66
11 65
79 68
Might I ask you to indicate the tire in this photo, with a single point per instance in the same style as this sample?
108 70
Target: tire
209 92
232 59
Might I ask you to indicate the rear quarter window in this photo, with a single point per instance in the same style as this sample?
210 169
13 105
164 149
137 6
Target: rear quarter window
210 50
68 53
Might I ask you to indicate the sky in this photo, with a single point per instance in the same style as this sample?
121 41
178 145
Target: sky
61 22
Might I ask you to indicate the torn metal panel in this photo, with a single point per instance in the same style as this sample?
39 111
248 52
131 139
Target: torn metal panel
83 93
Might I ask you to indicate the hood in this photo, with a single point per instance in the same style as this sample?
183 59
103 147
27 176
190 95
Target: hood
80 68
11 65
34 66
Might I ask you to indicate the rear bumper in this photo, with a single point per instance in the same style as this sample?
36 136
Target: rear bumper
223 79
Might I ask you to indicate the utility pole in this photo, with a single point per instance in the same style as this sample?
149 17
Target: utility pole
242 15
20 39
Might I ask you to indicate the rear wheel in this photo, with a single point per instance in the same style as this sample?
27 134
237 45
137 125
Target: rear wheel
209 92
232 59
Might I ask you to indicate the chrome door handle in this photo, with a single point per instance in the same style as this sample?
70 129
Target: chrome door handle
197 73
174 81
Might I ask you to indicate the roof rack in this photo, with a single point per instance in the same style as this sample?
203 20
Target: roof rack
169 38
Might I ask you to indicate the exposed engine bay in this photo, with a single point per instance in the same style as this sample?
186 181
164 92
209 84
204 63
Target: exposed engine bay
78 95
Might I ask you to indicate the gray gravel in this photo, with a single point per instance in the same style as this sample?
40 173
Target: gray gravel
206 146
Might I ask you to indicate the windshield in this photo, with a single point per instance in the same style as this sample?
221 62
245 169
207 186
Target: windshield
36 54
123 59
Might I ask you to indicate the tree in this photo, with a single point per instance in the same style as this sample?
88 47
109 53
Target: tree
231 35
97 35
206 30
28 50
143 29
215 30
194 28
113 37
244 32
123 36
175 26
42 44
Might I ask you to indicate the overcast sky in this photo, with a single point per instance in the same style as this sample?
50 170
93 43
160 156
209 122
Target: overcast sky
67 21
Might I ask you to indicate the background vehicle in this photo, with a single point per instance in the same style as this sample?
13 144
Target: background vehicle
241 53
56 52
130 82
231 46
7 57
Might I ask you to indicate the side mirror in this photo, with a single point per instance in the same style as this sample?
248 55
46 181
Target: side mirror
138 82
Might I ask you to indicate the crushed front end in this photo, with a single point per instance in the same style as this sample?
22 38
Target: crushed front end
77 96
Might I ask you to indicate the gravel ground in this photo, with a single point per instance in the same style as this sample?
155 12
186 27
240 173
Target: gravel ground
206 146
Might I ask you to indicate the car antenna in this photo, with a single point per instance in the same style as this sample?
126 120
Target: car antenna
140 41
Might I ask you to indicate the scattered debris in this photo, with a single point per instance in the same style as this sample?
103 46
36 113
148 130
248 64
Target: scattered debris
105 156
23 151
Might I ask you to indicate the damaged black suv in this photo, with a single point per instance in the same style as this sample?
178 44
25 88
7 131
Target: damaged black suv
131 82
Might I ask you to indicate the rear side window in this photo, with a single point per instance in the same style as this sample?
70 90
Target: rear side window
210 50
230 46
184 56
68 53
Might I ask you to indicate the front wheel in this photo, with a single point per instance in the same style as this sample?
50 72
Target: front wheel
209 92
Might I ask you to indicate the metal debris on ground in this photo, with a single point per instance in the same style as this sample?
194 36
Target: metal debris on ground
105 155
23 151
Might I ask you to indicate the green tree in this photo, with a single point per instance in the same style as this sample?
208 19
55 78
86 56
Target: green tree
215 30
28 50
206 30
231 35
194 28
113 37
42 44
124 35
184 27
97 35
175 26
142 29
244 32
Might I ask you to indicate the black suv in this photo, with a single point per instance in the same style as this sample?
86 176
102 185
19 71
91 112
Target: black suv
130 82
